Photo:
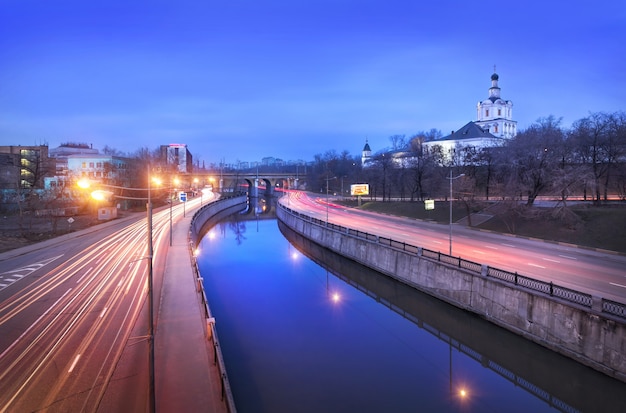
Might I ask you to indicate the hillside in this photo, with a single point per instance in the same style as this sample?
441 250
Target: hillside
602 227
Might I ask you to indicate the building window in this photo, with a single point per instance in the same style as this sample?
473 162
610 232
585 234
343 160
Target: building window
487 112
99 165
83 165
499 112
496 129
91 165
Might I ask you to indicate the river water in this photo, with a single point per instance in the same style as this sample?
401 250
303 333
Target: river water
304 330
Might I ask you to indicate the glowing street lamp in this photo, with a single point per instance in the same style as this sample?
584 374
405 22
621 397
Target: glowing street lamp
101 194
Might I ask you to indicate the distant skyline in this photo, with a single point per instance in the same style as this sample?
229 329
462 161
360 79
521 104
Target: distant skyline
244 80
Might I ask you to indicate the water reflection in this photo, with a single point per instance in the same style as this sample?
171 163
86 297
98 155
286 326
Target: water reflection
560 382
297 337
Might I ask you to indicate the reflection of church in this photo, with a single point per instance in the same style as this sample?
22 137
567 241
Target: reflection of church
495 123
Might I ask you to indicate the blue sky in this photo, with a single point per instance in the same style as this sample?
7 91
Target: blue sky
243 80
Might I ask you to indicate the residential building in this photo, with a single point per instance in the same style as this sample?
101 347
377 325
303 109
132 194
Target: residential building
24 167
176 155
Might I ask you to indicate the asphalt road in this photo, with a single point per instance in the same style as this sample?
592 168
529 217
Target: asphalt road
602 274
74 318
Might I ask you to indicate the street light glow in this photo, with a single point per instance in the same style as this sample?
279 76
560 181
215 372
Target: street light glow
100 195
83 183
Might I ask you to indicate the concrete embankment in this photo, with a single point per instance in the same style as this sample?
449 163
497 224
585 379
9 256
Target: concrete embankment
201 222
587 335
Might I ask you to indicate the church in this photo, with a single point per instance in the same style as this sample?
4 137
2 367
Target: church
493 126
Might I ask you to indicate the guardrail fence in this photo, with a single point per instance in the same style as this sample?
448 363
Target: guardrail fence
576 297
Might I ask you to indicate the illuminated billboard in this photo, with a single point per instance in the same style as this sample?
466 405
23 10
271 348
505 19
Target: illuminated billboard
359 189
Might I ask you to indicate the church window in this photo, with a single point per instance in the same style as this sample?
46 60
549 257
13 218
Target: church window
496 129
487 112
499 112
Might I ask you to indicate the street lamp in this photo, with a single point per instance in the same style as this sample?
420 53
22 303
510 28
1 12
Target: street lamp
100 194
328 179
452 179
342 193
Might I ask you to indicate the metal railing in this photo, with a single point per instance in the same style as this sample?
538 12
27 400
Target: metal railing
613 308
211 332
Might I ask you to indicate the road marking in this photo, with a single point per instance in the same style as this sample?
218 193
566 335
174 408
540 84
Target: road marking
551 260
535 265
437 242
492 247
74 363
618 285
479 252
83 276
568 257
509 245
104 310
15 275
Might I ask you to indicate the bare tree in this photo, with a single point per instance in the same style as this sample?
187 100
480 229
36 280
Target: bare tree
534 154
599 141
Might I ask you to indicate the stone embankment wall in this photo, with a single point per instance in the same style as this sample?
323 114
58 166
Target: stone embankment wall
212 213
205 218
588 336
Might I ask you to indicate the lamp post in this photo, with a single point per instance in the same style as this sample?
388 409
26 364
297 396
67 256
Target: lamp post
452 179
342 193
171 202
328 179
150 298
86 184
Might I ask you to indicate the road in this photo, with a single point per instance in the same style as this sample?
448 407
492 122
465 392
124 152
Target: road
74 317
602 274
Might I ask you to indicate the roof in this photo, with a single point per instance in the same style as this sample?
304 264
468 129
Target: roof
469 131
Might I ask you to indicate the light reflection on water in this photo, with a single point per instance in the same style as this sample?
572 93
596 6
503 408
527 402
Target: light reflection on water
297 338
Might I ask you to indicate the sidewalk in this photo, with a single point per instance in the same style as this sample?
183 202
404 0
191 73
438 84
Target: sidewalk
187 378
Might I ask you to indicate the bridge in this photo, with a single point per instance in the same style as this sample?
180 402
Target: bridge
255 183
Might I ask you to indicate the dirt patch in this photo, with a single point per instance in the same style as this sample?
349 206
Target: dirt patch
18 231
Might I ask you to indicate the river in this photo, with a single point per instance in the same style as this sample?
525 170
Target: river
299 336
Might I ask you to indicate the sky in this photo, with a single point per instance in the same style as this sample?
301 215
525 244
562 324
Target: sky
240 80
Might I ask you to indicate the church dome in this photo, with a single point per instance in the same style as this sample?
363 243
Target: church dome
494 76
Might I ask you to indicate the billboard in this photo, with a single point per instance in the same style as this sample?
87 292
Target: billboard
359 189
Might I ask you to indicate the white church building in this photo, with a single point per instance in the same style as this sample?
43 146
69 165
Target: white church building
495 124
495 114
